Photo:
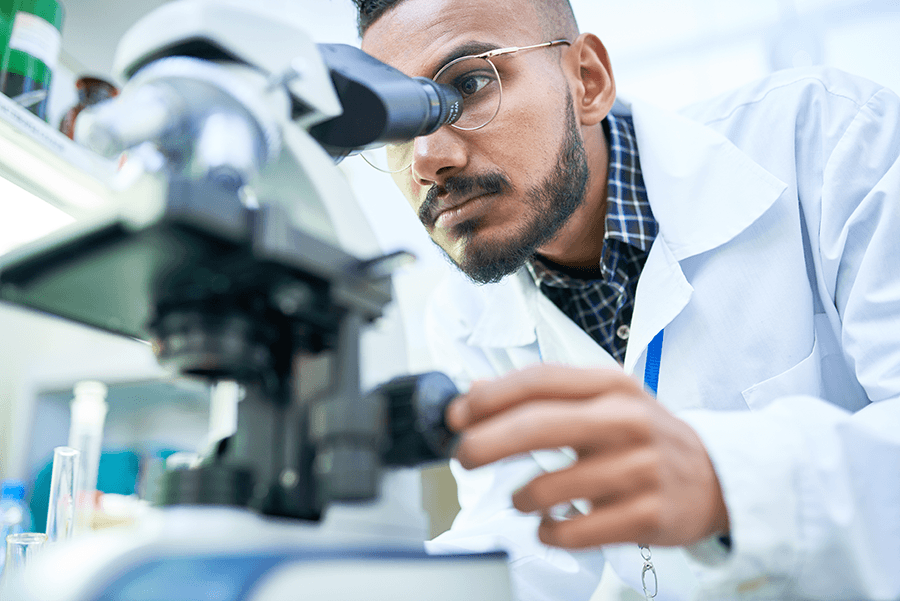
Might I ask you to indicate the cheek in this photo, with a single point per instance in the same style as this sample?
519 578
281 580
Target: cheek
532 129
404 184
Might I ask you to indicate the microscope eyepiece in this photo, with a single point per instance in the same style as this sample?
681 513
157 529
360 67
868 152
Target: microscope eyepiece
381 104
445 105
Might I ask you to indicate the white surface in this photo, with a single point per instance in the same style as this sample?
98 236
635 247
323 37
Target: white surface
389 580
25 217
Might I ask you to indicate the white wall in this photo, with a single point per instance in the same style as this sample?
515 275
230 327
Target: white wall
674 54
39 352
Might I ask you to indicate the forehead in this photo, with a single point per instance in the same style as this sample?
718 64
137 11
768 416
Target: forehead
420 36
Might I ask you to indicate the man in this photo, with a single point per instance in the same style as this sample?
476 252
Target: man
742 257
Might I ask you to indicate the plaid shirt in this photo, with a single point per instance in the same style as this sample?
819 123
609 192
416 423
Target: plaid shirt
601 300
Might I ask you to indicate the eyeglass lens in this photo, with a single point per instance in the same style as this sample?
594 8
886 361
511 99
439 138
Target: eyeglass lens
478 83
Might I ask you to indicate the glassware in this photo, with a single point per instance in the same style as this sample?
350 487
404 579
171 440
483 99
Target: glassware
91 90
88 414
61 509
27 65
21 548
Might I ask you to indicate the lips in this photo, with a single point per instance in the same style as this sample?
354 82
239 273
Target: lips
457 194
450 204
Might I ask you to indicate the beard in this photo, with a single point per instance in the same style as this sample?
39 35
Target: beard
548 206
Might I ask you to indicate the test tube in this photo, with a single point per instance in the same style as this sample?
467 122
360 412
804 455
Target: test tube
61 510
88 413
20 549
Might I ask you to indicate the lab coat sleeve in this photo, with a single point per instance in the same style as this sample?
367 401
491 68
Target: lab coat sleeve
487 520
812 490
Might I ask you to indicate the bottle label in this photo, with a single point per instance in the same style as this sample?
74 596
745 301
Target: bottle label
35 36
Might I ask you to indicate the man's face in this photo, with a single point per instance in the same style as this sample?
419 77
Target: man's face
490 197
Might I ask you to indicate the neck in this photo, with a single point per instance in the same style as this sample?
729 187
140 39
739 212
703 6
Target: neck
579 243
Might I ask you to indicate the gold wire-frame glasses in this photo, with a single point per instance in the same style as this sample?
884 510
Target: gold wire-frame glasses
477 80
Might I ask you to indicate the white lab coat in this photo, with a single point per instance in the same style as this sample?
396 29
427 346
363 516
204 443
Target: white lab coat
776 276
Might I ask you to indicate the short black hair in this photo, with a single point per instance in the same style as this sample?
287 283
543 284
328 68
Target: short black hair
557 18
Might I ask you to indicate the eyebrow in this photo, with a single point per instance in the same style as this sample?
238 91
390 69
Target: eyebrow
467 49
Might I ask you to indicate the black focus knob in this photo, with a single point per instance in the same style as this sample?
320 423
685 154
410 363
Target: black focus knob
417 431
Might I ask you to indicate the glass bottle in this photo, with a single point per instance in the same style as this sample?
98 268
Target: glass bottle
32 51
91 90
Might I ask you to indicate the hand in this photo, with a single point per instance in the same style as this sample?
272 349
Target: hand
645 472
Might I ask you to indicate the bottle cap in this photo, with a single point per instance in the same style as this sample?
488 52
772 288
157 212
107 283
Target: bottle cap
90 388
13 489
89 405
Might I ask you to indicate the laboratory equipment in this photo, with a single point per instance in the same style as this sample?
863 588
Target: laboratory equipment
29 60
14 514
63 487
230 252
91 90
21 548
88 413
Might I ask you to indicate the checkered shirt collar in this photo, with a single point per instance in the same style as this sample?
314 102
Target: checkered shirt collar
628 215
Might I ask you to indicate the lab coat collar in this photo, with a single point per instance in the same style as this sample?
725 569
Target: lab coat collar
688 170
703 191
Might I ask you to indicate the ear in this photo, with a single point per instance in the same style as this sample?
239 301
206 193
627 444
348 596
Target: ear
589 71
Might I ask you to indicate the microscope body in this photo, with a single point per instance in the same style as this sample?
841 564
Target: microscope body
194 553
229 251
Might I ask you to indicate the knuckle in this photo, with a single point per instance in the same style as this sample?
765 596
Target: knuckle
638 417
650 518
647 461
563 534
540 493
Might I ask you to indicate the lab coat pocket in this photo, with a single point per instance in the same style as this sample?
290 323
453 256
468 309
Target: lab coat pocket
803 378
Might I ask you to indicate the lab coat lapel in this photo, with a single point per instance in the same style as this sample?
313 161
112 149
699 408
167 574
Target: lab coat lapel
702 188
662 293
703 191
524 322
507 319
561 340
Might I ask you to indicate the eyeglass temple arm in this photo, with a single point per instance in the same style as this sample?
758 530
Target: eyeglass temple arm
499 51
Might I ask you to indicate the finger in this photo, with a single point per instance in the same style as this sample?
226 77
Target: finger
540 425
601 479
545 381
634 521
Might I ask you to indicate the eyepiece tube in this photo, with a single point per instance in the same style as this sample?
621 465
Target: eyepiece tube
381 104
446 105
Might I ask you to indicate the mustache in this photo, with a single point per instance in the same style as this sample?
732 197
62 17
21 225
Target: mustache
461 186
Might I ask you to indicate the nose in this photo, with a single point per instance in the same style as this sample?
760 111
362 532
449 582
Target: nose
438 156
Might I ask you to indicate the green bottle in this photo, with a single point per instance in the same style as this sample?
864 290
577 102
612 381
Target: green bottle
31 31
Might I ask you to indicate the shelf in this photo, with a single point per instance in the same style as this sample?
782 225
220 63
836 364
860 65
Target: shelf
43 161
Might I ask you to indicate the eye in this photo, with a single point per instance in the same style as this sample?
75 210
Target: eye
472 83
470 76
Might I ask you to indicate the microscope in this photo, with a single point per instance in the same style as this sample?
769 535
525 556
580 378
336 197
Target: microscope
224 250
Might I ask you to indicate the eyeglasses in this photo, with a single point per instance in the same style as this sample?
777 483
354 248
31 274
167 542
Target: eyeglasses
477 80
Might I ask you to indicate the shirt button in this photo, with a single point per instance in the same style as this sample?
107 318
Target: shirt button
623 332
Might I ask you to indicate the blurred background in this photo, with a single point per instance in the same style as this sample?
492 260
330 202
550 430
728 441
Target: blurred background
670 53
